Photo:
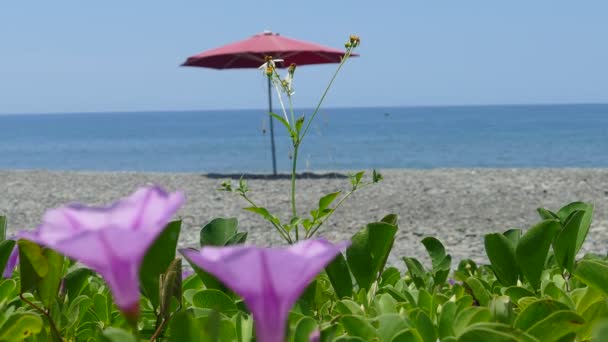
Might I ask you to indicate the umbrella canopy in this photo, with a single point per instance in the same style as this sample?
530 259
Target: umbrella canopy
251 53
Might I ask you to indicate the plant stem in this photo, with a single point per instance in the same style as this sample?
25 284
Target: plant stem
46 314
346 56
294 212
281 101
159 330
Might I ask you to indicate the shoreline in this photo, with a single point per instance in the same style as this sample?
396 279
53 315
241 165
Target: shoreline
457 206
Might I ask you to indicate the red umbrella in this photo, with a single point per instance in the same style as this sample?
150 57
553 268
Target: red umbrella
251 53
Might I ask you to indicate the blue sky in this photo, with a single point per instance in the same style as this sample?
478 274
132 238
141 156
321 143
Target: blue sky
73 55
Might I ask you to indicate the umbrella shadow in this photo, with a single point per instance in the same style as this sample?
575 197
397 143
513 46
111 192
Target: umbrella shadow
303 175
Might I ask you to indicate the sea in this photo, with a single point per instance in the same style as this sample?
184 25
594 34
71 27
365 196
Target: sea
239 141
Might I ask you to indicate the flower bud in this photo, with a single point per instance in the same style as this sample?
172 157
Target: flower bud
354 40
268 59
292 68
269 71
347 45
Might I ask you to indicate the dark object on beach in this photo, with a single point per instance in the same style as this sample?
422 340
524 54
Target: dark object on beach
251 53
303 175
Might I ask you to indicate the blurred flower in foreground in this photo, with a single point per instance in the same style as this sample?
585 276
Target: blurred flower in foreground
270 280
111 240
12 262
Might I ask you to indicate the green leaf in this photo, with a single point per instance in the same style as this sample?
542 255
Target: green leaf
407 335
446 320
359 327
501 309
184 327
112 334
339 277
390 325
2 228
264 213
157 260
592 315
243 324
356 178
470 316
390 219
48 286
556 325
425 327
594 274
494 332
75 281
538 309
416 271
32 265
516 293
299 123
237 239
564 244
102 306
6 248
20 326
216 300
283 121
369 249
478 290
532 250
303 329
564 212
326 200
501 252
601 331
546 214
513 235
440 260
219 231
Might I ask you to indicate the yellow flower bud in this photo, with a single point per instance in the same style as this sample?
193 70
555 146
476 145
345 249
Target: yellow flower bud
268 59
354 40
269 71
292 68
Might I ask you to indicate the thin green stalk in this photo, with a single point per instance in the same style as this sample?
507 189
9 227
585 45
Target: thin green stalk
293 117
276 87
346 56
294 212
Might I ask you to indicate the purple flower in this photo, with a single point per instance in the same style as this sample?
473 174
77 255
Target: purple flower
269 280
111 240
12 262
187 273
315 336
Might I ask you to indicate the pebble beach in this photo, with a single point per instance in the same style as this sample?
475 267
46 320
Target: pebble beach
457 206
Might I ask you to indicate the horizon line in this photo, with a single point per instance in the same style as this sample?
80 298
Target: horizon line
137 111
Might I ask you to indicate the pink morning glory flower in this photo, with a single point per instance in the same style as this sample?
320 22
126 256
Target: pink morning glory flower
270 280
12 262
111 240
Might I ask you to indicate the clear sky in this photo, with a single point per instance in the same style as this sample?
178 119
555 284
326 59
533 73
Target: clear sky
115 55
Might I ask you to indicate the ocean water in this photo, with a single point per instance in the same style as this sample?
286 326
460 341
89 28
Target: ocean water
339 139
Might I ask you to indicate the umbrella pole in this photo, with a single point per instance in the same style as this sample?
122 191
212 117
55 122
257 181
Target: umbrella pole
274 159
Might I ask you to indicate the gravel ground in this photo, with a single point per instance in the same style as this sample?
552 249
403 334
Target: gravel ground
458 206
